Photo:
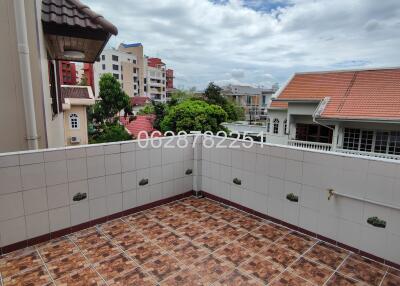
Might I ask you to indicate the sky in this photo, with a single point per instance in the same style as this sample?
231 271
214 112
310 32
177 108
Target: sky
257 42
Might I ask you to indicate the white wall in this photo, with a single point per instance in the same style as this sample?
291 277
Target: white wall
37 188
269 173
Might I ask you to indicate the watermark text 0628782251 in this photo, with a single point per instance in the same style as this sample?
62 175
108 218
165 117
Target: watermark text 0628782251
181 140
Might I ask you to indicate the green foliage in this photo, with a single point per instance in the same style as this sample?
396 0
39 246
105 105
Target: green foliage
147 110
113 99
194 115
178 96
109 132
84 80
234 111
160 110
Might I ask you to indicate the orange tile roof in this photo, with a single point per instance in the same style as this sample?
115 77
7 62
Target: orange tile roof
278 104
141 123
364 94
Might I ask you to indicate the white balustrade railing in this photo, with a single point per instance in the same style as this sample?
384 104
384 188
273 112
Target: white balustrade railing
310 145
369 154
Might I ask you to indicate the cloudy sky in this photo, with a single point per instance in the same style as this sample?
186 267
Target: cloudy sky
257 42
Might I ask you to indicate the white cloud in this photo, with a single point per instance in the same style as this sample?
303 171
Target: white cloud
245 40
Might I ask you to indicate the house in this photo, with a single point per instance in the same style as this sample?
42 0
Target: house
75 101
140 126
356 111
138 102
37 35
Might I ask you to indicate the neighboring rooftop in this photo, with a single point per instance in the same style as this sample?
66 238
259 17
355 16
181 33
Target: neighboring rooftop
131 45
360 94
141 124
140 100
81 92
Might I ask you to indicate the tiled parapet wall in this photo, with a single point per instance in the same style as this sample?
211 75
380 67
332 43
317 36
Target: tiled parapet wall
269 173
37 189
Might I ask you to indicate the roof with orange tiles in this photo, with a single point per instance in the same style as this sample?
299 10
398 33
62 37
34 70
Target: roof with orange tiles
140 100
278 104
140 126
360 94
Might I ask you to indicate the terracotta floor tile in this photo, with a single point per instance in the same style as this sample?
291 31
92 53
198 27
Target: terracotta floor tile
129 239
170 241
253 243
210 269
158 213
391 280
211 241
114 267
297 242
101 252
247 223
183 278
144 252
89 240
210 223
138 221
238 279
178 208
16 262
290 279
280 255
84 277
370 262
176 222
327 256
269 232
162 267
311 271
194 202
194 215
34 276
230 215
192 231
154 230
115 227
189 253
134 278
211 208
393 271
340 280
233 253
361 271
261 268
64 266
55 249
230 232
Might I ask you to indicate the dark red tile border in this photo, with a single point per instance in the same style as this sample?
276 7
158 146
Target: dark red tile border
299 229
75 228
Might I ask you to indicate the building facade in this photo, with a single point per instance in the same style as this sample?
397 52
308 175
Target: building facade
347 111
68 73
139 75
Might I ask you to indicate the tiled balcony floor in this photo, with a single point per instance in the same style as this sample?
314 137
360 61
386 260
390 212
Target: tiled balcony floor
190 242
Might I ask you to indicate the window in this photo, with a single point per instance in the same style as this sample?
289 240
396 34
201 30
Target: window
122 77
104 66
351 139
134 61
103 57
367 139
115 67
116 75
74 121
276 126
264 100
268 125
134 70
115 58
381 141
314 133
285 126
248 100
394 145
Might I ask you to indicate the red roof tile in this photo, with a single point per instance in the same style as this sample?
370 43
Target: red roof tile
365 94
140 100
278 104
141 123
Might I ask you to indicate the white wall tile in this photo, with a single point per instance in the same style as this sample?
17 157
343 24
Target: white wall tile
142 159
58 196
114 203
95 166
60 218
328 225
308 219
349 233
33 176
11 206
79 212
373 240
168 172
9 160
276 188
77 152
393 248
77 169
129 199
294 171
310 197
10 179
113 148
156 192
113 164
12 231
31 158
77 187
56 173
237 158
128 147
350 210
97 187
37 224
291 212
249 161
276 167
155 175
113 184
155 157
168 189
129 181
58 155
353 182
380 188
178 186
178 170
94 151
128 161
98 208
312 175
35 201
275 207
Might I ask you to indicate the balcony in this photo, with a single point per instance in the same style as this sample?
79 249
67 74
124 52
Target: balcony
310 145
124 213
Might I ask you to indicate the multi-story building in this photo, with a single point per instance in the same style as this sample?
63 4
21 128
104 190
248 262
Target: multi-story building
356 111
39 40
88 74
68 73
170 78
139 75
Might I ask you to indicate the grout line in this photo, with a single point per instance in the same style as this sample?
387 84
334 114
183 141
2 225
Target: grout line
91 264
337 268
384 276
45 265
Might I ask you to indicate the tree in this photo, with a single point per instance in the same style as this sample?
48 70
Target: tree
147 110
179 96
109 132
194 115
